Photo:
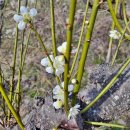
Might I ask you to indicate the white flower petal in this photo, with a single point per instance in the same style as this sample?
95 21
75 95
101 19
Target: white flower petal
62 48
73 111
45 62
51 57
115 34
77 106
62 84
49 70
59 71
58 104
70 87
56 90
33 12
21 25
18 18
23 10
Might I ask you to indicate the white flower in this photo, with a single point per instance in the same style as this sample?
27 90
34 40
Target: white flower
24 17
18 18
58 104
23 10
73 111
33 12
21 25
58 64
70 87
115 34
62 48
58 93
45 62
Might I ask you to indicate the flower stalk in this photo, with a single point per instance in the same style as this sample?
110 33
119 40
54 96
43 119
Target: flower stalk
67 53
85 50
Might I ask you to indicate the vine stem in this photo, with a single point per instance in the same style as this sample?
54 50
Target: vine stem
107 87
85 50
67 53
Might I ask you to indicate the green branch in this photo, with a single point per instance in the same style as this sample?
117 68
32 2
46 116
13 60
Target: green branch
107 124
80 39
68 49
53 27
85 49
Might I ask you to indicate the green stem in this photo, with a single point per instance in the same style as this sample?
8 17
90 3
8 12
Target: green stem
20 74
107 87
53 27
68 49
119 44
115 19
106 124
111 39
14 61
85 50
46 52
11 108
125 15
80 39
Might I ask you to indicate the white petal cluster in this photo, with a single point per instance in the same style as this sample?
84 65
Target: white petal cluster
74 111
24 17
58 94
58 64
115 34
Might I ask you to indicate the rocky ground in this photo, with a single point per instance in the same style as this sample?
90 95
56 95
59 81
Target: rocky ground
36 107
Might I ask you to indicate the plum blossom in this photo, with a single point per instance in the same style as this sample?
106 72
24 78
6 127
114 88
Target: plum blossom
58 92
115 34
24 17
74 111
58 64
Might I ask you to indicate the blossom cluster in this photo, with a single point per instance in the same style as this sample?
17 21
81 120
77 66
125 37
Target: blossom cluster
58 61
24 17
114 34
57 68
58 94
